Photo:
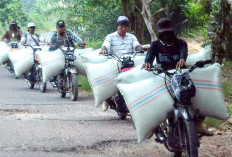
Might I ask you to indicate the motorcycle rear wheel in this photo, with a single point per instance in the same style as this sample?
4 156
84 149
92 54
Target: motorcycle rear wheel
42 85
73 87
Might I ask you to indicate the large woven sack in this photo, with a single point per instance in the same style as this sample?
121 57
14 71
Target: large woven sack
4 49
52 63
101 78
134 75
78 63
149 102
204 54
209 97
93 57
22 60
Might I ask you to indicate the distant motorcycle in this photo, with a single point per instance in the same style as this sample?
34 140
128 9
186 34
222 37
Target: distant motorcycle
35 75
67 81
117 102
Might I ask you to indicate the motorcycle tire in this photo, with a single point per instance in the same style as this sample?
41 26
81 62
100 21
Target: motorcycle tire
62 94
42 85
190 138
74 87
122 116
30 85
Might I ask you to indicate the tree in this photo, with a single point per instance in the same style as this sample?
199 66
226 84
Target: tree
218 44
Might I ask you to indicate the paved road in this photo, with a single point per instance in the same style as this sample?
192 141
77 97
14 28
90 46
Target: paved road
34 124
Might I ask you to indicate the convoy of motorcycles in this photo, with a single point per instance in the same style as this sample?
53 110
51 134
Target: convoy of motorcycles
178 133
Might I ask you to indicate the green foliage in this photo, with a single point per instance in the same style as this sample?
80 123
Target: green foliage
95 44
11 10
227 88
212 122
83 81
195 14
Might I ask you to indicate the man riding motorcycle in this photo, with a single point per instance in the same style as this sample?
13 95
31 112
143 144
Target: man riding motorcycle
14 33
119 43
30 38
63 37
170 52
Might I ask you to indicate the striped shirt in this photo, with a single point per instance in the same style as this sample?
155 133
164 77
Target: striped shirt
118 45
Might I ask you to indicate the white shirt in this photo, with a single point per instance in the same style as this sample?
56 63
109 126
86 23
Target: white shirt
118 45
30 40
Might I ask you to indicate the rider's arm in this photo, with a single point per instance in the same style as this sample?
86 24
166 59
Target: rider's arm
106 44
183 50
136 44
4 36
23 39
53 42
151 54
73 36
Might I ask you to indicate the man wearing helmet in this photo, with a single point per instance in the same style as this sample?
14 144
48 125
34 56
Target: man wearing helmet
13 34
30 38
63 37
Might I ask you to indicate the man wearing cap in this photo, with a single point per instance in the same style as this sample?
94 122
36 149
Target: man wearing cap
30 38
121 42
170 52
13 34
63 37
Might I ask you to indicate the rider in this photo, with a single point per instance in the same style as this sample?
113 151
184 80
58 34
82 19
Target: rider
170 52
63 37
119 43
30 38
13 34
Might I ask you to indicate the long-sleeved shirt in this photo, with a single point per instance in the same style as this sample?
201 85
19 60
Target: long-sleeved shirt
118 45
167 56
69 37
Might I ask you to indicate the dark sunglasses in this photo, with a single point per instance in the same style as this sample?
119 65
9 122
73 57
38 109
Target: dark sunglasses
62 26
32 27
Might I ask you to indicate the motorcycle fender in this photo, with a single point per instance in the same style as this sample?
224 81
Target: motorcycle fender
179 113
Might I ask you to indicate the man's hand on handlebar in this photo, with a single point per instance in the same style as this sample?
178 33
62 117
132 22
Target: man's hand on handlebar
147 66
83 43
181 63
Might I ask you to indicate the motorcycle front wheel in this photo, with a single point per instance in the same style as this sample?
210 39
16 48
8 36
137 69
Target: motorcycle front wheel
73 87
42 85
190 139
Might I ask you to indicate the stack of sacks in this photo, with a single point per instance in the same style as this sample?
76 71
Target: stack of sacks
204 54
4 49
79 63
101 78
52 63
149 101
22 60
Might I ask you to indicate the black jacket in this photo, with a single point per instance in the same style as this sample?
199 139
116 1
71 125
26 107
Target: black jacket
167 56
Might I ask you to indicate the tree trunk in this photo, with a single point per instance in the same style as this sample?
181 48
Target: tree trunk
148 19
218 43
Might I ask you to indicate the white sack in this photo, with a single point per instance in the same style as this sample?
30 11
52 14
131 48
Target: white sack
204 54
4 49
101 78
52 63
22 60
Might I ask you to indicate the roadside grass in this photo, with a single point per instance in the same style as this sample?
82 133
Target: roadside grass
227 90
83 81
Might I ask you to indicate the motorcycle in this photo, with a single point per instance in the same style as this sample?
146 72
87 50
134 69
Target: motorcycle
178 133
67 81
117 102
35 75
